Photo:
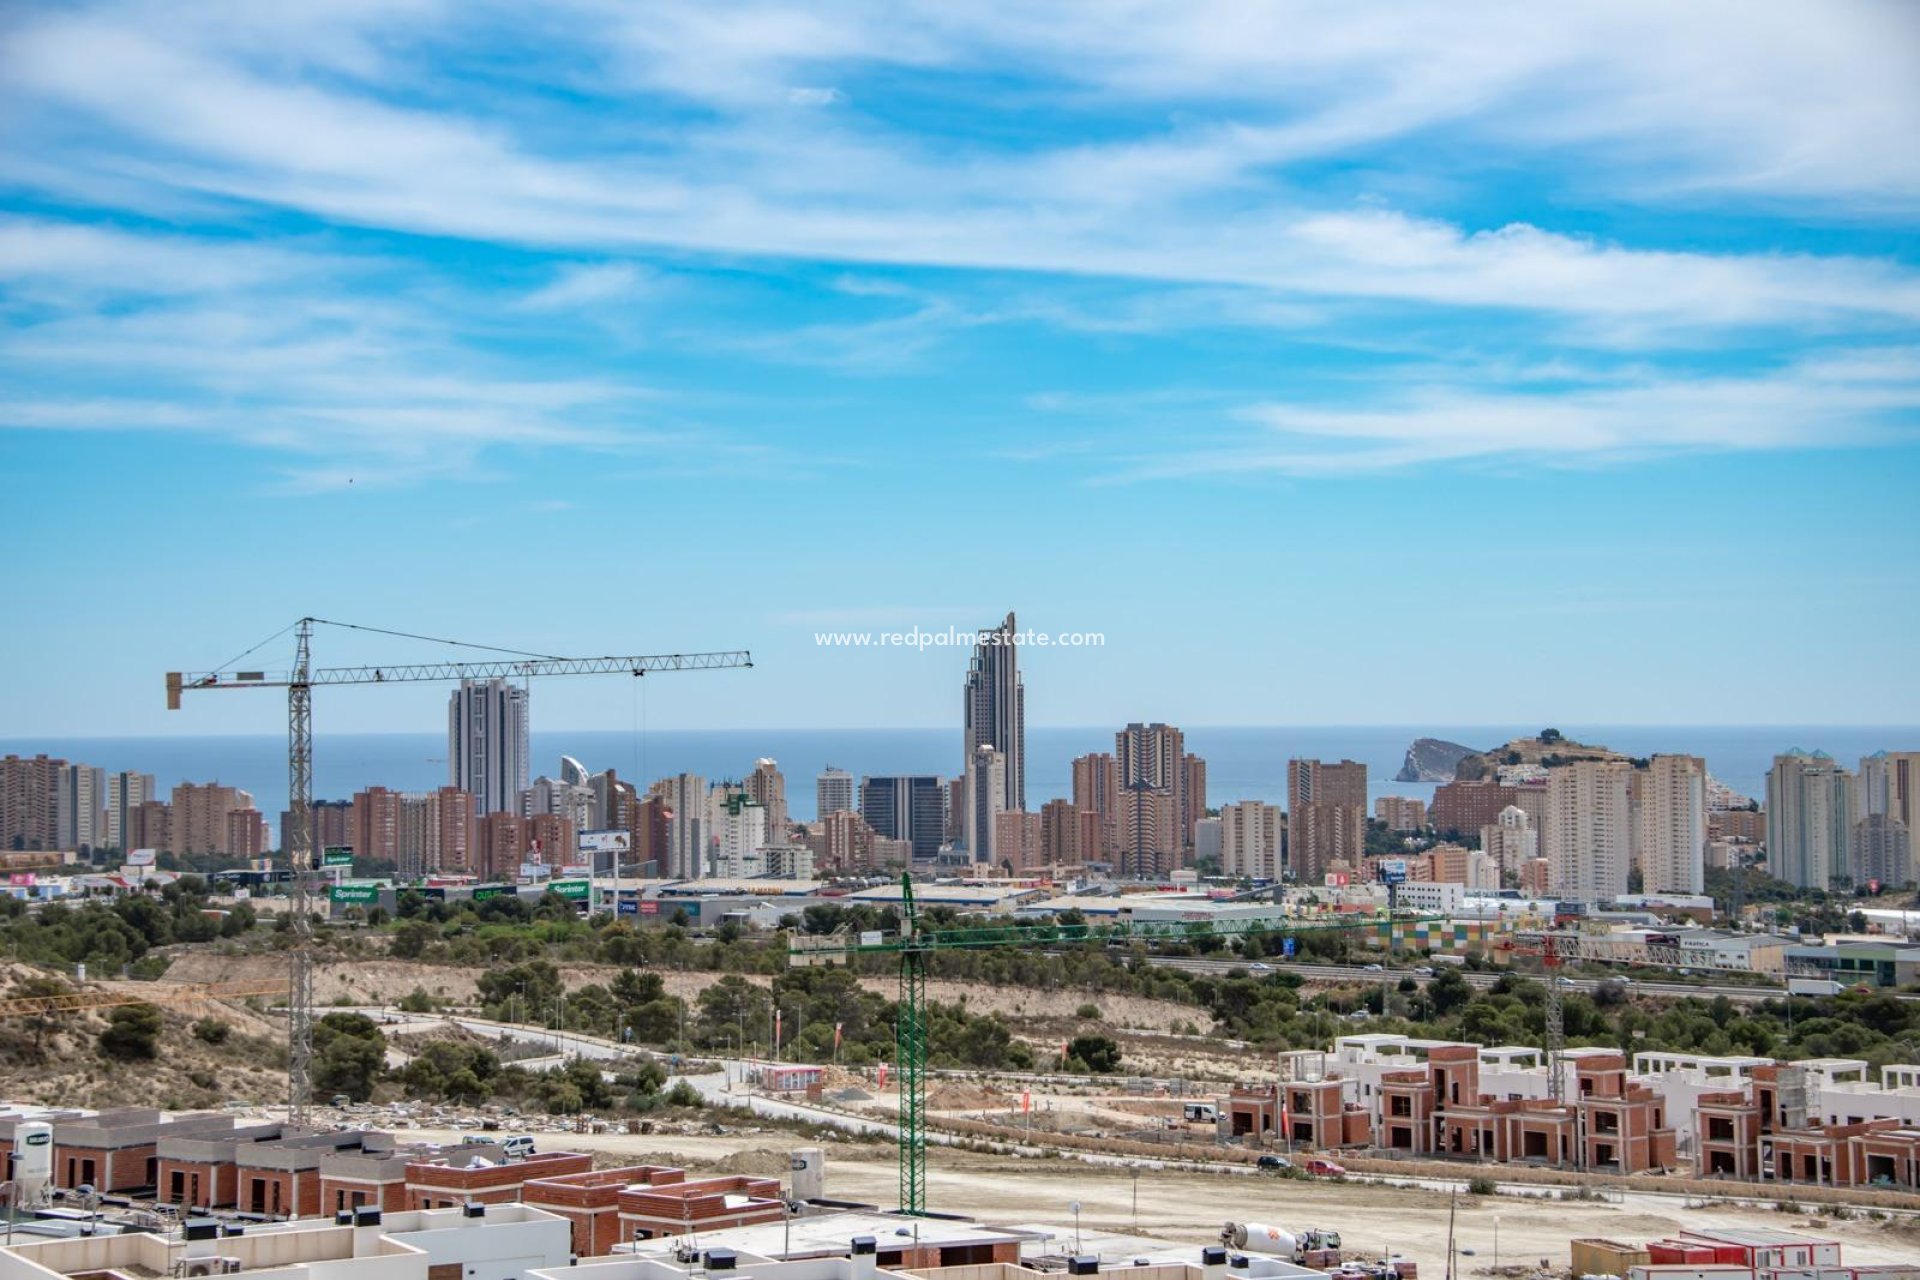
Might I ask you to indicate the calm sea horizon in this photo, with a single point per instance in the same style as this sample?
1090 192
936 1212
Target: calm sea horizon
1243 763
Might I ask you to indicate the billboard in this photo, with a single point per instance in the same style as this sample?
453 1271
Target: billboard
481 892
337 855
612 841
364 893
629 907
140 857
1393 871
573 889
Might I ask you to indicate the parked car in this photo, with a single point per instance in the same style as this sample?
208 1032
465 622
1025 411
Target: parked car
1324 1168
1274 1162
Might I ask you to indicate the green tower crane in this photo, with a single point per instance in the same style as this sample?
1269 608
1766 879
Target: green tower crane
913 945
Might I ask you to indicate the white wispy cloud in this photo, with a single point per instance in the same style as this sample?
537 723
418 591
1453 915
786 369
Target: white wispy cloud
1640 89
1853 400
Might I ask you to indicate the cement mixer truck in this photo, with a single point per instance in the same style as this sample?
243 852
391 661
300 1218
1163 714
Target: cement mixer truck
1309 1248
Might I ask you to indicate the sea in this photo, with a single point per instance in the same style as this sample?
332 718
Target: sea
1243 763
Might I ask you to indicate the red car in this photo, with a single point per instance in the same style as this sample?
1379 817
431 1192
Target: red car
1324 1169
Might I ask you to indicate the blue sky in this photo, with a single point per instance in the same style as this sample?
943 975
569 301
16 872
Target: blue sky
1462 363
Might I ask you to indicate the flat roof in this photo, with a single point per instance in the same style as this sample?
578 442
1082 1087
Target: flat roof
831 1235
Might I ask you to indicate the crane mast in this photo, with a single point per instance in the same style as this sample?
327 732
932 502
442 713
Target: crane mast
297 840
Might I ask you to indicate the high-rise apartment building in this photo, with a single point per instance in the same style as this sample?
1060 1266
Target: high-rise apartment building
743 833
846 843
1588 841
329 824
554 839
1206 842
80 802
500 844
126 792
1017 840
652 838
1672 822
452 832
1809 818
1149 832
1882 851
986 799
832 792
768 787
150 826
1403 815
1873 785
1096 790
994 708
577 801
1468 805
1069 835
1903 788
1511 840
1151 763
1326 816
487 743
906 807
1193 796
685 795
29 802
246 834
200 816
1251 838
374 826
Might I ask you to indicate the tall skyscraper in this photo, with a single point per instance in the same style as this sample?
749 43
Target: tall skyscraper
1326 816
743 833
29 802
994 707
80 796
768 787
986 794
1151 758
1589 845
1873 785
1903 788
487 743
1672 821
126 792
908 807
374 827
1193 796
686 799
1250 840
200 816
832 792
1096 790
1882 851
1809 818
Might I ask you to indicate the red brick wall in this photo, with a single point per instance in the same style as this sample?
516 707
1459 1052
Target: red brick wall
217 1186
338 1193
298 1191
124 1170
438 1185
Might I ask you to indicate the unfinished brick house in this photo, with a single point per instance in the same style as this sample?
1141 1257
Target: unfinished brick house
198 1170
1766 1130
706 1204
591 1201
1607 1123
482 1174
1316 1114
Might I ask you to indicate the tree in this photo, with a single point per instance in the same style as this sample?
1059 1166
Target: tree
1097 1054
349 1055
133 1033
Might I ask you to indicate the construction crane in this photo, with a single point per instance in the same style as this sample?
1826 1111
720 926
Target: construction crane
1557 948
914 945
82 1001
297 841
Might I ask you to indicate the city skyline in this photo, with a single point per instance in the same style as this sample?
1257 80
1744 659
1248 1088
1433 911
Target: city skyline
1483 346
